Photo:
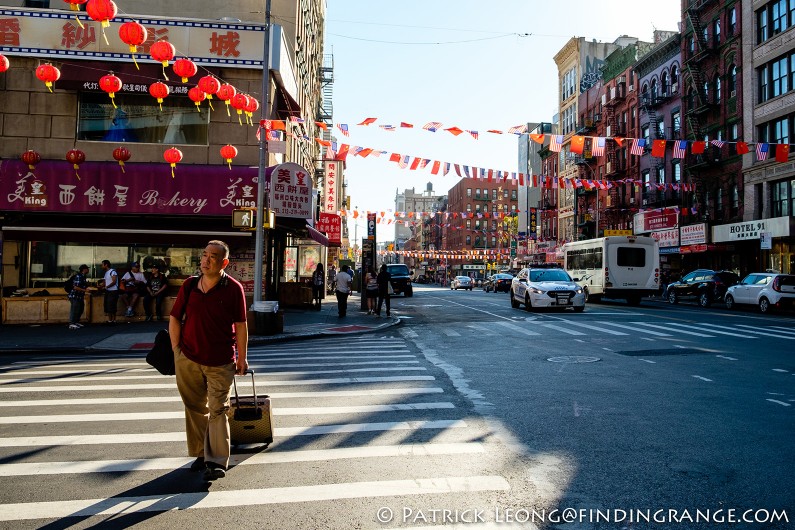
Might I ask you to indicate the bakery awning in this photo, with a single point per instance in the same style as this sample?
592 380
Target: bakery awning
320 237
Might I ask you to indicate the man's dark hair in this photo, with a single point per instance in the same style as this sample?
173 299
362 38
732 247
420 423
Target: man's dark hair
106 262
219 243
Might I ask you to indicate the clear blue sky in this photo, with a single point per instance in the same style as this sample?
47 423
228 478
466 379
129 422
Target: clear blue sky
473 65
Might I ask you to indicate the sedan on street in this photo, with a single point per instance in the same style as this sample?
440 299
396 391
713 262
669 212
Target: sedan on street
461 282
498 282
765 290
536 288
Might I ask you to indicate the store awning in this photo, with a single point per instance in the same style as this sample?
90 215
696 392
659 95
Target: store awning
320 237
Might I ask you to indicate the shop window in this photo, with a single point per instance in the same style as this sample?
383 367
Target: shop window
138 118
780 198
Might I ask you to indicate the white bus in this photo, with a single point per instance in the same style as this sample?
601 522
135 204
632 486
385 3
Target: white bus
615 267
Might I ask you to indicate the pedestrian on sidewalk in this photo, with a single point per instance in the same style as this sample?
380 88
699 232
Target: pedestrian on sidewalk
77 297
156 287
133 284
343 281
110 283
318 282
383 279
371 290
214 309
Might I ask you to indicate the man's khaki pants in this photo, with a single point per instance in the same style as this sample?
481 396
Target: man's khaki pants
205 393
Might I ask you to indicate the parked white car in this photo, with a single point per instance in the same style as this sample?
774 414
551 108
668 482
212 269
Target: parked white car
461 282
536 288
766 290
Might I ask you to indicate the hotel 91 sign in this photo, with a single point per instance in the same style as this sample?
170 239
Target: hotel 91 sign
291 191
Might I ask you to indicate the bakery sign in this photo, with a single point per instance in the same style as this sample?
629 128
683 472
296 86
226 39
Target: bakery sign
747 230
667 238
694 234
291 191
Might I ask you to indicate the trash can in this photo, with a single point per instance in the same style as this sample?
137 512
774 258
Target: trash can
268 319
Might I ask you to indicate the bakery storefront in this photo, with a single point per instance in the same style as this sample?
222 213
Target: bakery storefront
51 222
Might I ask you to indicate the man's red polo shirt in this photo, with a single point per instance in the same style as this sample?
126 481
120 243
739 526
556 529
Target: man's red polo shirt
208 335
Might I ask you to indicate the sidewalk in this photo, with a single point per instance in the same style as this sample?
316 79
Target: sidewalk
299 324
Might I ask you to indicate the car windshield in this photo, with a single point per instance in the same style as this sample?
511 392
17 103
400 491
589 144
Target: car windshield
503 277
462 278
550 275
398 270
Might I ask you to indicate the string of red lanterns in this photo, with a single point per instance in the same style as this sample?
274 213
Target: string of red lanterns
173 156
162 51
225 93
76 157
103 11
159 91
185 68
133 35
110 84
121 155
31 158
228 152
49 74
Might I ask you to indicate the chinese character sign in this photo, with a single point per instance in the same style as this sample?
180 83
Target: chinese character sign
291 191
331 225
331 203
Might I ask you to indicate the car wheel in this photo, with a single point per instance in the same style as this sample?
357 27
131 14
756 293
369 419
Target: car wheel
764 305
528 306
704 300
729 302
514 303
579 309
673 298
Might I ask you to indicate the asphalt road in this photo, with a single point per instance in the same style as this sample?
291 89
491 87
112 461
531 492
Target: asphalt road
470 406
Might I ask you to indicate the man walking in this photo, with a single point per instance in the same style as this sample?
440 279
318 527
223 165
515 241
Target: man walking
111 286
214 308
343 281
77 297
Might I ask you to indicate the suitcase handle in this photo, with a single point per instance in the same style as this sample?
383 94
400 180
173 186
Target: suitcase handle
253 384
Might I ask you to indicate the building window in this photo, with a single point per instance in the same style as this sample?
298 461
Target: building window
732 81
654 92
761 26
177 123
469 192
732 29
735 131
664 83
469 240
477 193
781 131
691 45
764 87
661 129
513 195
644 132
778 16
735 198
676 172
469 223
505 194
717 89
493 194
780 76
716 32
674 76
477 208
493 241
780 198
646 179
706 91
676 123
469 207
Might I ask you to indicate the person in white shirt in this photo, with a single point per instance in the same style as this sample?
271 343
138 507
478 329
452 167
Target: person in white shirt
133 284
343 280
110 283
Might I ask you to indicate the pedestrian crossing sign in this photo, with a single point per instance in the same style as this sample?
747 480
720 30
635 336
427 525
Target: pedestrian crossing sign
243 218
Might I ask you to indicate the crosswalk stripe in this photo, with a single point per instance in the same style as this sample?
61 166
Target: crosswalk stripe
668 329
450 332
560 328
135 438
595 328
170 386
253 497
635 328
175 415
487 330
332 394
273 456
355 360
782 329
711 330
518 329
756 331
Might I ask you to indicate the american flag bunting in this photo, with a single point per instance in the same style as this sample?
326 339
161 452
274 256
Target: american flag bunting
761 151
638 145
598 146
680 148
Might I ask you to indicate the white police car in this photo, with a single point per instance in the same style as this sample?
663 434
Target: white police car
536 288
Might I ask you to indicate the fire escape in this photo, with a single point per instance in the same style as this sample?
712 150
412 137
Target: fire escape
698 99
617 202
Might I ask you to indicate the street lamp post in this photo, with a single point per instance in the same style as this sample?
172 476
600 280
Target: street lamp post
259 243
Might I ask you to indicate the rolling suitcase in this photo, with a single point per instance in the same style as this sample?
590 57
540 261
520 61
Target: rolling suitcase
250 417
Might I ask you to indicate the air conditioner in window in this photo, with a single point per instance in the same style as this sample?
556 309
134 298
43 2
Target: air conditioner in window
609 130
622 79
613 92
604 99
632 88
609 167
674 88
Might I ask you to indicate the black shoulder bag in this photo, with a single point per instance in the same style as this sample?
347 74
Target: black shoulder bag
161 356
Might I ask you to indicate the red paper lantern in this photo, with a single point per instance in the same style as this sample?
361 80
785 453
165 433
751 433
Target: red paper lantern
49 74
133 35
225 93
74 5
121 154
172 156
110 84
209 85
162 51
185 68
251 108
197 96
102 11
76 157
31 158
229 152
239 102
160 91
3 63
